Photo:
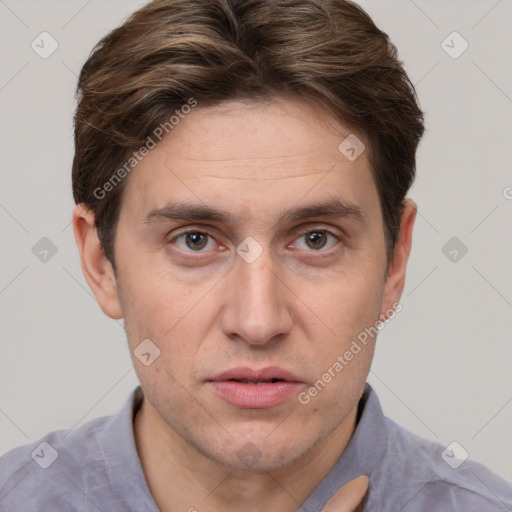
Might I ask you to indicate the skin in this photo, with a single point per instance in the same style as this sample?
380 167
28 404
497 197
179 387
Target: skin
298 306
350 498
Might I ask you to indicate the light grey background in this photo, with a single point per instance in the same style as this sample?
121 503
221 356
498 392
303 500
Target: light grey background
442 367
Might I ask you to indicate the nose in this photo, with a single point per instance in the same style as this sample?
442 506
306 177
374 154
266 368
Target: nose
257 301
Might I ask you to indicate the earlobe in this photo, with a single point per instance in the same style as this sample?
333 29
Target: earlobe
395 279
97 269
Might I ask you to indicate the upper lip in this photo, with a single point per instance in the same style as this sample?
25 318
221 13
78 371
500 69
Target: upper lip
251 374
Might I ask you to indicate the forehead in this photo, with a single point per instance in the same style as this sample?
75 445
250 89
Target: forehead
253 157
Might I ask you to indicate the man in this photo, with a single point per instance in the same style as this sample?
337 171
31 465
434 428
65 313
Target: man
240 174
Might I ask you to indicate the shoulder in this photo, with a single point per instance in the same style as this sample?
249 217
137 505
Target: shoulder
52 472
431 477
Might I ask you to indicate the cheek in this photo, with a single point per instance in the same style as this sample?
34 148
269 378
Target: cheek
364 306
144 309
351 303
158 308
150 297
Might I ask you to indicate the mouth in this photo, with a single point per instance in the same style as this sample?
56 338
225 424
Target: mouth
245 381
255 389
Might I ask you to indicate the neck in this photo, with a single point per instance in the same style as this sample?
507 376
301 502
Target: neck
182 479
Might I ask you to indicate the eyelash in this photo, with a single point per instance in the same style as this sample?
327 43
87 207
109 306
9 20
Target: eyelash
198 254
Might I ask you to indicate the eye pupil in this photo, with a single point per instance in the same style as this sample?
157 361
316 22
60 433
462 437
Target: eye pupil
198 240
316 239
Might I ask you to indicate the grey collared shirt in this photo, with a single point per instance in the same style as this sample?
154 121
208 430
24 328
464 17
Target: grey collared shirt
97 468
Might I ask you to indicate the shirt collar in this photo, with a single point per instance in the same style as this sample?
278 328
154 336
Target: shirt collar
364 452
125 472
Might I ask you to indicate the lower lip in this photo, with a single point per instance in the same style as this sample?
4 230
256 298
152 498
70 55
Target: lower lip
254 396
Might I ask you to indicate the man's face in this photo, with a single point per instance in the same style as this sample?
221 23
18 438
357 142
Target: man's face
294 296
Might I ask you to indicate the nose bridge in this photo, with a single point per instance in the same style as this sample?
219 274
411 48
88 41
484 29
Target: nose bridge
257 308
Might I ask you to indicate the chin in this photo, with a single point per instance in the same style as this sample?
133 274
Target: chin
260 454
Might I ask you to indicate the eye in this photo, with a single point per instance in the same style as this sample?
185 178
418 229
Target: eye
317 240
194 241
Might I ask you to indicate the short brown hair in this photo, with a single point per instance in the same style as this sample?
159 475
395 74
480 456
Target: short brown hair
326 51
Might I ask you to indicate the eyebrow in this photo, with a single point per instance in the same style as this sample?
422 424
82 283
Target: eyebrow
182 211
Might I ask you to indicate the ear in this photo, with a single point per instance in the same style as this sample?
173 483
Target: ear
97 269
395 280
